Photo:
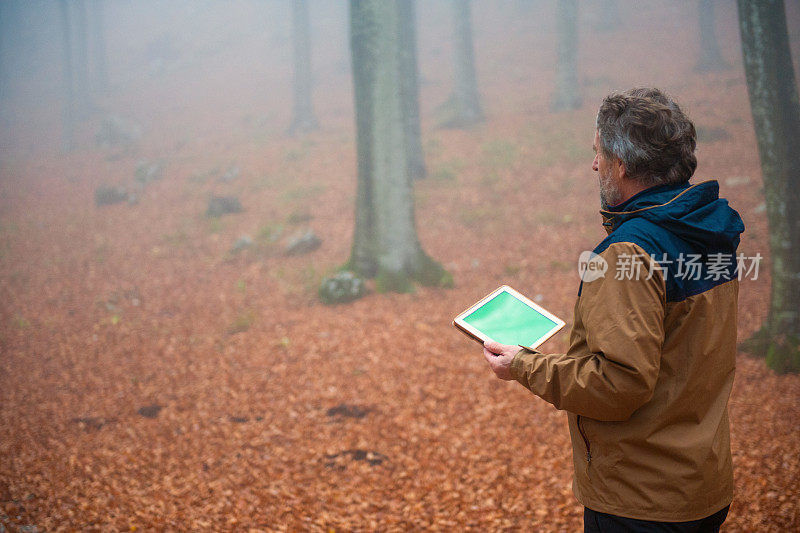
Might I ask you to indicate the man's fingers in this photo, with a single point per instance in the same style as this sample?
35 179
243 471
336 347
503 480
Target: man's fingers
499 363
494 347
500 348
491 357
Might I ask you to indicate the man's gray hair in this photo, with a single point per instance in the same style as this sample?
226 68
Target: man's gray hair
649 133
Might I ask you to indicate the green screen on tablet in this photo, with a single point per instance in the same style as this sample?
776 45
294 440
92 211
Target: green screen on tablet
509 319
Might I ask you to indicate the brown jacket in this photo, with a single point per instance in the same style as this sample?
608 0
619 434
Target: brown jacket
647 376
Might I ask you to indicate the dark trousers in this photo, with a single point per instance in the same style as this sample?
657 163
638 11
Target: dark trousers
594 522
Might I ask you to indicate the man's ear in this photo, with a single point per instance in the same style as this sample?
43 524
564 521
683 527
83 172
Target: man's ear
621 169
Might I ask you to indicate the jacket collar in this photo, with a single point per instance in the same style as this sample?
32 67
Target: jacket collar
657 196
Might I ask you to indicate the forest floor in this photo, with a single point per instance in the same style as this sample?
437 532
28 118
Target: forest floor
151 378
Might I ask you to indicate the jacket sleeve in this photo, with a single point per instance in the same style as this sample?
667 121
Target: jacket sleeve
613 361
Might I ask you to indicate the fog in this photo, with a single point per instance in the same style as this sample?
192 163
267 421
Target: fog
174 210
191 62
206 66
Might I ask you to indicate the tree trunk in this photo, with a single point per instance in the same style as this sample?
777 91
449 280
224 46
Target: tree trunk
776 116
4 77
410 89
304 120
385 241
99 47
710 56
4 27
567 94
465 91
83 95
68 113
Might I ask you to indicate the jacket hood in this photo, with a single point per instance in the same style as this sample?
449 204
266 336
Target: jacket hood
694 213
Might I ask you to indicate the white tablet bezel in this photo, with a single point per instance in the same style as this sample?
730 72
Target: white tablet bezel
481 337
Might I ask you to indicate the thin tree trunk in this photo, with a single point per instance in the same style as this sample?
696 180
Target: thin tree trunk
83 95
364 51
776 116
4 77
465 90
410 89
304 120
99 46
385 242
68 119
567 94
710 56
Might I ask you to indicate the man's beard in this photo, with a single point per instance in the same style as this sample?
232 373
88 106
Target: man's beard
610 194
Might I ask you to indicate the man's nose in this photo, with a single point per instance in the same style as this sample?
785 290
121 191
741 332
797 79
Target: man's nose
595 166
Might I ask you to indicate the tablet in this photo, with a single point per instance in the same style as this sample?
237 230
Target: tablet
507 317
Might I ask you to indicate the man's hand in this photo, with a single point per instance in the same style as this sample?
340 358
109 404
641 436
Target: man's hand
499 357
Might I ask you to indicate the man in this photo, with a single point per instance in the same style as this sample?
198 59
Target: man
650 366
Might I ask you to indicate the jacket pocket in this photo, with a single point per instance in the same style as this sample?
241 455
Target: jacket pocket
586 443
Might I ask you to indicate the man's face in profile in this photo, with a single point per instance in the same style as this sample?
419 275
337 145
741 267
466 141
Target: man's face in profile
609 190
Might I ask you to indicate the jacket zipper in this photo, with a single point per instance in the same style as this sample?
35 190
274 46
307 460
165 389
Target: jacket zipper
586 442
